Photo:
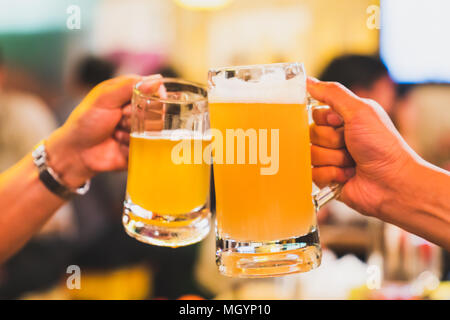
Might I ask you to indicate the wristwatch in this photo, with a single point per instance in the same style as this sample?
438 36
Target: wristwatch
50 178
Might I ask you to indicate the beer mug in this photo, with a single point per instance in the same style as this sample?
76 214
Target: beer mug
265 209
167 187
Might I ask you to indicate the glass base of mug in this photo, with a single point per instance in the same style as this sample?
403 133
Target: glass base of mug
164 230
268 259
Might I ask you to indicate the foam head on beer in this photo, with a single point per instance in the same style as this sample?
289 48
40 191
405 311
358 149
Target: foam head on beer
271 86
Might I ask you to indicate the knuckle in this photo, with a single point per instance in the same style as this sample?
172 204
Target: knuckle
331 84
367 105
334 86
317 115
369 102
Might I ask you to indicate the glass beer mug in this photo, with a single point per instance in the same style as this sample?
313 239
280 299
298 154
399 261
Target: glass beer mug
266 213
167 186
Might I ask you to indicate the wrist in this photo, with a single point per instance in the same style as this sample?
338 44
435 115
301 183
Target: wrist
65 160
414 191
421 206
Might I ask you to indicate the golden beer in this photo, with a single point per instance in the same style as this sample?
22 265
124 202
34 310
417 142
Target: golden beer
251 206
157 184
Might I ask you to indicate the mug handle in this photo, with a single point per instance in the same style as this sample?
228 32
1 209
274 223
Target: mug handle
332 191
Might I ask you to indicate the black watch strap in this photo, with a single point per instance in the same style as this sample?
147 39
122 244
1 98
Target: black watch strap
54 186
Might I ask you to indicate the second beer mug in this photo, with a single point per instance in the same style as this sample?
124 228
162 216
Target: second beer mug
168 185
266 213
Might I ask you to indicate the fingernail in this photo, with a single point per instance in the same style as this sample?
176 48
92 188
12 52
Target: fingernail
334 119
312 79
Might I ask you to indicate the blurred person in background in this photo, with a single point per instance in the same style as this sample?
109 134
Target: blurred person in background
25 120
87 72
366 76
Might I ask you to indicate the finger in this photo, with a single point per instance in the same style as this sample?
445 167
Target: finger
154 125
323 176
125 121
151 85
126 111
330 157
334 94
327 117
327 137
125 124
114 93
122 136
154 116
162 92
155 109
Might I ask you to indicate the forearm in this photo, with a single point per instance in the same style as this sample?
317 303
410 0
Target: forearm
26 204
421 204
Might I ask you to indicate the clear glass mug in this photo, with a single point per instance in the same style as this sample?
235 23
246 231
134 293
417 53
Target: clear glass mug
265 209
167 187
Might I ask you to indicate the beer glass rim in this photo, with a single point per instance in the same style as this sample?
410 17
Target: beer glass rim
203 91
256 66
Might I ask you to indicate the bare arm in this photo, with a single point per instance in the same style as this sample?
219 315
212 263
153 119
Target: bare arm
26 205
94 139
421 204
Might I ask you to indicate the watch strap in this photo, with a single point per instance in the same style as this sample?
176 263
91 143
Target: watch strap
49 177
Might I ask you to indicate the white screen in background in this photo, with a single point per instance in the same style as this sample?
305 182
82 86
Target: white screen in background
415 39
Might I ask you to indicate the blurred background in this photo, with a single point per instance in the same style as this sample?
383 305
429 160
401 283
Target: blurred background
52 52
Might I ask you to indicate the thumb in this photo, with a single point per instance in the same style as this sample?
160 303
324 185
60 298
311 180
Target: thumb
114 93
334 94
152 85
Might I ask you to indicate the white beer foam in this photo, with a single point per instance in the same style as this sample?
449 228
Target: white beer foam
271 88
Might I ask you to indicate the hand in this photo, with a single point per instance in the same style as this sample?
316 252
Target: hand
356 144
95 137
